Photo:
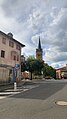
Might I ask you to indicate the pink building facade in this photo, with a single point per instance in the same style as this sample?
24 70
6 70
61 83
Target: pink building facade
61 73
10 55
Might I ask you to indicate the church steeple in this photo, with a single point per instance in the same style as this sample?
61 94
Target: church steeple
39 51
39 45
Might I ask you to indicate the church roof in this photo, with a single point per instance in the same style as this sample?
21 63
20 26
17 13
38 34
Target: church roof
39 44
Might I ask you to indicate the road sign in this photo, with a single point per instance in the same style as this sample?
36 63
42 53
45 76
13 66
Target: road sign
17 66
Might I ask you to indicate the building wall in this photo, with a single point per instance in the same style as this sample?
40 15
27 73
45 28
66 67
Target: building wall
58 74
25 75
9 52
61 74
12 57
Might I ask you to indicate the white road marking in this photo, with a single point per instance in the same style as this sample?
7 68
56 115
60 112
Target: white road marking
61 103
2 97
9 93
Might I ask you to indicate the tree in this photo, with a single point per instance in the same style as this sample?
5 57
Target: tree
49 71
30 65
33 66
38 66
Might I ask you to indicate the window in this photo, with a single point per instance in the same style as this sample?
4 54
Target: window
17 47
17 57
2 53
4 40
11 44
14 58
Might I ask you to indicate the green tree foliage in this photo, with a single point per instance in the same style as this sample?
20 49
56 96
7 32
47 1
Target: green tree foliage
37 66
32 65
49 71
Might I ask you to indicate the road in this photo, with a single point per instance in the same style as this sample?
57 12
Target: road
38 102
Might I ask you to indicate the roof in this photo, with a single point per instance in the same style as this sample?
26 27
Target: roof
22 45
39 45
62 68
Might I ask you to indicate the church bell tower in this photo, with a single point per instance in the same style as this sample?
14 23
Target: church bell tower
39 51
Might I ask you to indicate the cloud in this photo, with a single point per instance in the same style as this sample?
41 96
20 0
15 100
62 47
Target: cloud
54 12
28 20
52 54
58 65
55 37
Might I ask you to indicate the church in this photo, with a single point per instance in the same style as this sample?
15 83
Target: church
39 51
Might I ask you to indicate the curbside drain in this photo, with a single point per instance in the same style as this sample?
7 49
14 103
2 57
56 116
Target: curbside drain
61 103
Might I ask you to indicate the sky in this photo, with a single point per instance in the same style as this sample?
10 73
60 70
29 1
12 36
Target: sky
29 19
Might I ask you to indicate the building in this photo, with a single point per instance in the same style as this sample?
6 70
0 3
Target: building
10 56
61 73
39 51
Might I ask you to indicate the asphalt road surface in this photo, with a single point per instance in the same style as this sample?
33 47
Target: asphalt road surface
38 102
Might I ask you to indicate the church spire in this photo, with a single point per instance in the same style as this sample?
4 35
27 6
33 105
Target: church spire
39 51
39 45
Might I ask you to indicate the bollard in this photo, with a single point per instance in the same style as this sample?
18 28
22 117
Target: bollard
15 86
